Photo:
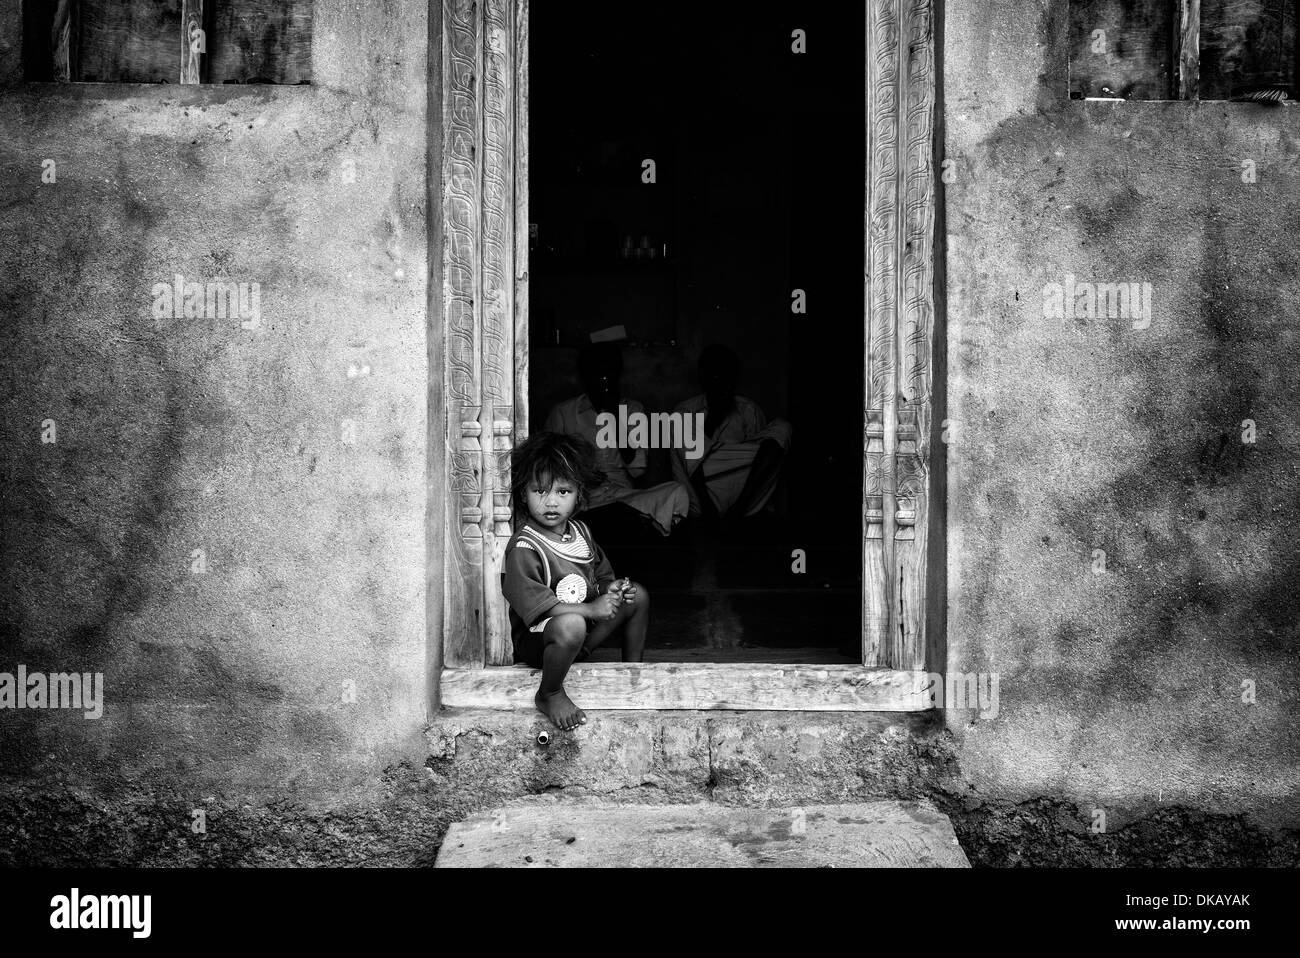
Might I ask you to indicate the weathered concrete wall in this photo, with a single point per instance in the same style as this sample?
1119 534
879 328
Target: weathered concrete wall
1120 690
182 434
479 760
224 689
471 760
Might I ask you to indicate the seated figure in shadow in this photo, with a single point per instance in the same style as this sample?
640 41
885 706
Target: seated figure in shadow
600 370
744 453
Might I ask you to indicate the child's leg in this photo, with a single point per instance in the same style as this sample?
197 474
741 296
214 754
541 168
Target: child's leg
700 486
762 475
563 636
636 616
638 624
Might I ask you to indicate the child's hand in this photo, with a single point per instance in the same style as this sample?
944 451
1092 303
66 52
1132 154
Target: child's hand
604 607
627 590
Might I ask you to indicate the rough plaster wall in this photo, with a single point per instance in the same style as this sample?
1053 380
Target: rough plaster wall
229 683
1120 690
475 759
183 434
480 759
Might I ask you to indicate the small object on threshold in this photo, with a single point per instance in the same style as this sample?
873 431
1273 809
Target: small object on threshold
1271 96
543 738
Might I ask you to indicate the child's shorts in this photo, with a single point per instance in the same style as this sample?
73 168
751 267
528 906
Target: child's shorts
530 646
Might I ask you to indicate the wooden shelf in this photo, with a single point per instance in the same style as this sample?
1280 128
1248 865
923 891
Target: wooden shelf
543 267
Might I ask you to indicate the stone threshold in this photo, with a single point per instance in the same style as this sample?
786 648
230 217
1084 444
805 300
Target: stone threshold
683 685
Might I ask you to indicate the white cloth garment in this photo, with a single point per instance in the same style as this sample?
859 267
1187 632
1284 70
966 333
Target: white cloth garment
665 504
730 453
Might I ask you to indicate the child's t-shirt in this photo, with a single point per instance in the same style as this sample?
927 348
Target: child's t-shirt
539 573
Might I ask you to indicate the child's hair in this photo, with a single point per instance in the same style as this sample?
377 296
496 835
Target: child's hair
549 456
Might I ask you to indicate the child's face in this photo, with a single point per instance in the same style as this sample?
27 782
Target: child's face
550 506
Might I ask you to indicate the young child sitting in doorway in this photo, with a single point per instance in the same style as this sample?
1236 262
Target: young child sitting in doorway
563 595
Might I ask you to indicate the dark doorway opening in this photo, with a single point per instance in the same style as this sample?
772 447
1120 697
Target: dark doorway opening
759 162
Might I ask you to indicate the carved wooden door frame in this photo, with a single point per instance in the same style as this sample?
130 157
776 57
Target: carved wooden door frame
478 379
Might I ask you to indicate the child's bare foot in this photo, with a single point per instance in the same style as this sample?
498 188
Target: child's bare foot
559 708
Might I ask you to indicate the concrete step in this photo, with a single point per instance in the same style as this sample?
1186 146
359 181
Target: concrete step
556 832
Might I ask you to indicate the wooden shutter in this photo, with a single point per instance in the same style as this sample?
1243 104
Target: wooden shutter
260 41
168 41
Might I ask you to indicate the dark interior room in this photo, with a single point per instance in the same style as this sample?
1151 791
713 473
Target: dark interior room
745 232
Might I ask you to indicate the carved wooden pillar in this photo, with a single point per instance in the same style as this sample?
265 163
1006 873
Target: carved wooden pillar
900 329
498 262
480 150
